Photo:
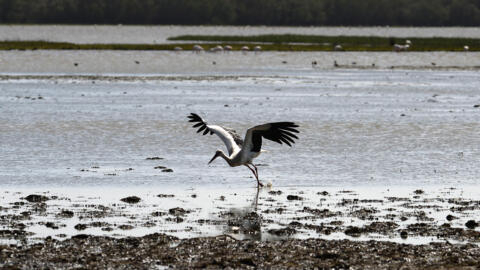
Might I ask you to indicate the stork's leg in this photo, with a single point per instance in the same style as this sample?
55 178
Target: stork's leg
256 170
252 171
256 175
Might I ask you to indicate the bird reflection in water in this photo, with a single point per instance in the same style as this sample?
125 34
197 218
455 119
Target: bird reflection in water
245 223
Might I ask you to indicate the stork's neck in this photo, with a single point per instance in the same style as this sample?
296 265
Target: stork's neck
227 158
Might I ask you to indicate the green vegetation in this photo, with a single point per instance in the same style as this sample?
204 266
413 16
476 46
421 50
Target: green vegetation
244 12
267 42
45 45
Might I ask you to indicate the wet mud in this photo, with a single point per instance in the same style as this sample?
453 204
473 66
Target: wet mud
276 228
160 251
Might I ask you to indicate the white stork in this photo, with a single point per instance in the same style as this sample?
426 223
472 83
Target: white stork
242 152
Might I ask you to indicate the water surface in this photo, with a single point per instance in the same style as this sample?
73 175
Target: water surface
358 127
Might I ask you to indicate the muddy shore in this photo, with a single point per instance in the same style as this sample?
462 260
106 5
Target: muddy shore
280 228
159 251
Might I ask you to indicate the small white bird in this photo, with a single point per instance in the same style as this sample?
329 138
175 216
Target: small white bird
217 48
242 152
401 48
197 48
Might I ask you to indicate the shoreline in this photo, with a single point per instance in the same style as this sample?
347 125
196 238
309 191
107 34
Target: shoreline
298 227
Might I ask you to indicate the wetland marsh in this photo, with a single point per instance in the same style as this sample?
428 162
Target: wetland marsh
100 168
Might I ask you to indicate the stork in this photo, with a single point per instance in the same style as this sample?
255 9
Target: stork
242 152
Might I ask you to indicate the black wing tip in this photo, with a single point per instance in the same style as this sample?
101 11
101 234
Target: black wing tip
287 127
284 133
194 116
199 123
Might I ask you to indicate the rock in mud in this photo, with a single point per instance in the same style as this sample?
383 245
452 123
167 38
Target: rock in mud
176 219
471 224
80 227
353 231
125 227
450 217
131 199
178 211
294 198
158 214
283 231
14 234
33 198
51 225
66 214
381 227
165 195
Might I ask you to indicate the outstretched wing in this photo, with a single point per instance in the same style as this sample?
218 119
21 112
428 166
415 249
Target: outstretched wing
280 132
238 140
228 136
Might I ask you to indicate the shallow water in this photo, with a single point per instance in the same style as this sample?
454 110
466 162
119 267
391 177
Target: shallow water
358 127
159 34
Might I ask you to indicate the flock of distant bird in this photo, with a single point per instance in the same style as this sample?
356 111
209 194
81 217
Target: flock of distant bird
227 48
337 47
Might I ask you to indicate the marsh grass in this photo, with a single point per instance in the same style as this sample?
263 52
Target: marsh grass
46 45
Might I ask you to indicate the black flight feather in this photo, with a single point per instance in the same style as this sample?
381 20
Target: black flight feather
280 132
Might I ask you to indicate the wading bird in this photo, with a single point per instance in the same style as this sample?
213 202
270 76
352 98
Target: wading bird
197 49
242 152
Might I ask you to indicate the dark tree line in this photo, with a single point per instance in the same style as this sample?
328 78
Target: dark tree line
244 12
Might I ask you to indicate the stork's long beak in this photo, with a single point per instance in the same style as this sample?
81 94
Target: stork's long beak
214 157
